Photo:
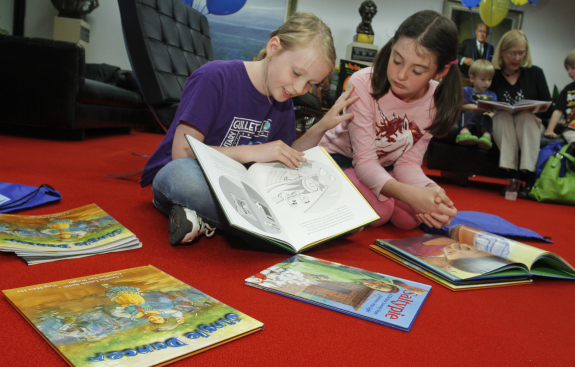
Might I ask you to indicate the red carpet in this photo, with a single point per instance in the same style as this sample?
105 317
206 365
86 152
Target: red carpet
514 326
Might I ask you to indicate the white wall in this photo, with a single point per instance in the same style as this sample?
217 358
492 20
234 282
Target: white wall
549 27
6 17
106 40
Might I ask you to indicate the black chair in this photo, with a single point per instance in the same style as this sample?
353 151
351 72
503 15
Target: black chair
45 92
166 41
458 163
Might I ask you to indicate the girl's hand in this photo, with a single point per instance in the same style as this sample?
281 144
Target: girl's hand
550 134
432 205
276 151
333 117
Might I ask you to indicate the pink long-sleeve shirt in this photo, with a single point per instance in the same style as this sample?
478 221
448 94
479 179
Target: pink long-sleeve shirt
384 132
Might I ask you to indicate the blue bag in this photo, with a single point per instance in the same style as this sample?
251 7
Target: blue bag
15 197
488 223
544 154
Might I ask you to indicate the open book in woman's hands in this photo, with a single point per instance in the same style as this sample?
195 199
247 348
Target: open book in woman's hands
523 105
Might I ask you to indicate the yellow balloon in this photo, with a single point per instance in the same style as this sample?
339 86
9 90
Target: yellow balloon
519 2
493 11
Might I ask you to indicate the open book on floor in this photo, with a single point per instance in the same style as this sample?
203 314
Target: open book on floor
469 258
78 232
371 296
294 208
133 317
523 105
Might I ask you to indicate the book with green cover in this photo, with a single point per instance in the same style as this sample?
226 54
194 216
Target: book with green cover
133 317
469 258
78 232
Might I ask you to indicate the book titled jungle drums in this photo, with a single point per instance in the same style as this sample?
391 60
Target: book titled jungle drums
134 317
371 296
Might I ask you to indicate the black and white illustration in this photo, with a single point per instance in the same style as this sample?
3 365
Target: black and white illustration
249 204
311 189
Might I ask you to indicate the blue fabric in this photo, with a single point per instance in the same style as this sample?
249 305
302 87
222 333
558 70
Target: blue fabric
15 197
488 223
544 154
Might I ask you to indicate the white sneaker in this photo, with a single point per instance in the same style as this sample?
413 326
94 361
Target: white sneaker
185 226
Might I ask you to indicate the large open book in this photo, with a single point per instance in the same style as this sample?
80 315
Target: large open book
294 208
469 258
133 317
523 105
371 296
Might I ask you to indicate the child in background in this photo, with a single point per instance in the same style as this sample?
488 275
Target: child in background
480 74
217 101
401 106
564 105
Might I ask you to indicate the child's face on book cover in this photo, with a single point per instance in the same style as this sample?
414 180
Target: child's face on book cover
458 250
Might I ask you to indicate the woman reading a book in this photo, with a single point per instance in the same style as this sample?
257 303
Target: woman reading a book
515 79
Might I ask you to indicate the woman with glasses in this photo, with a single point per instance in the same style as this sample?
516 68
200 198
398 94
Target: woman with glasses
518 135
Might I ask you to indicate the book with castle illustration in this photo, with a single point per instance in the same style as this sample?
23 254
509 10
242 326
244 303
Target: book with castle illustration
469 259
293 208
371 296
78 232
522 105
133 317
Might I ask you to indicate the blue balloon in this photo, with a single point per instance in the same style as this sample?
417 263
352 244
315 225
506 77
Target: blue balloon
471 3
224 7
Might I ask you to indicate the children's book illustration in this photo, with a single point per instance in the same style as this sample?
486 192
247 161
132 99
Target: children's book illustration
469 258
292 208
376 297
313 188
249 204
133 317
83 230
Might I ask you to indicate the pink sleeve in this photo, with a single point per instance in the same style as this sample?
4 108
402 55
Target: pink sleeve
362 136
407 168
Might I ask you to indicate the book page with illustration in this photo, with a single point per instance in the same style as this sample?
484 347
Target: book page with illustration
297 206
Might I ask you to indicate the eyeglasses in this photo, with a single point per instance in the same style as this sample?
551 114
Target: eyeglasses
514 54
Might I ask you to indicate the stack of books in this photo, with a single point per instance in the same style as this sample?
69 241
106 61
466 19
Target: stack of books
79 232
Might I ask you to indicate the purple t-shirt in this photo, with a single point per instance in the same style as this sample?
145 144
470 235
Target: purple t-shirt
220 100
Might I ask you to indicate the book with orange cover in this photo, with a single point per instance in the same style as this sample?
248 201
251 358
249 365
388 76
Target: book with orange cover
133 317
469 259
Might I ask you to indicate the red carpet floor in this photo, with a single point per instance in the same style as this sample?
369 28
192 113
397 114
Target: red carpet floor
530 325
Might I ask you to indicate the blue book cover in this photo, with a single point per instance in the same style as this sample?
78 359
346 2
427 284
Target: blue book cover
371 296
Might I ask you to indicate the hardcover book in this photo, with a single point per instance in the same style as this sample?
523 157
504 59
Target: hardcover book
134 317
293 208
371 296
469 259
523 105
79 232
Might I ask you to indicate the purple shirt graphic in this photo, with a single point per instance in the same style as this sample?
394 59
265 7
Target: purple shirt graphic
220 100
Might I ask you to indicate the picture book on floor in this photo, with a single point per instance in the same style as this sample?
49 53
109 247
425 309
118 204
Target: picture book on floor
293 208
133 317
79 232
523 105
469 259
371 296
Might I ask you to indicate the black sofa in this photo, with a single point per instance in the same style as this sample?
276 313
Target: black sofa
44 92
458 163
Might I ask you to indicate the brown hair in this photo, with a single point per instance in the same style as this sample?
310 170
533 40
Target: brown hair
439 35
570 59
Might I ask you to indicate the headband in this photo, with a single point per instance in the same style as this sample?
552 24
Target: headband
454 62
